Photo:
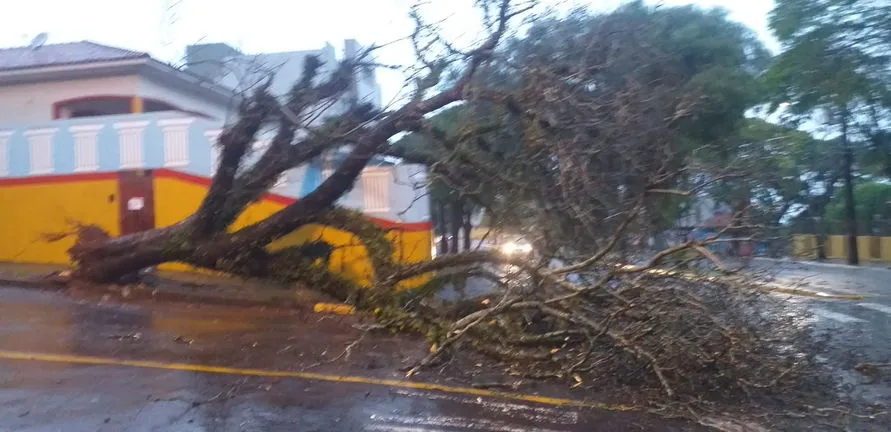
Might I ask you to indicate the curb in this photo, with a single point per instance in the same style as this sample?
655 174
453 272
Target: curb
334 308
181 297
161 295
31 283
881 267
782 289
766 287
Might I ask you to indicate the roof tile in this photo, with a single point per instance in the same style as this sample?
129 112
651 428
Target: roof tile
63 54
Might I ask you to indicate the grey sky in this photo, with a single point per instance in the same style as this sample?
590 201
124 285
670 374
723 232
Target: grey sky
164 27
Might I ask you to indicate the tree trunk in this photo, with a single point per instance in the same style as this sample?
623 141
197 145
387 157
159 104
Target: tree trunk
468 227
821 247
442 221
850 205
455 225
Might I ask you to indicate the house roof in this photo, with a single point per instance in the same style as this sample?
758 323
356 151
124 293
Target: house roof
63 54
85 59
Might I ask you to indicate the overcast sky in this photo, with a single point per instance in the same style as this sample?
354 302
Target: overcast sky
164 27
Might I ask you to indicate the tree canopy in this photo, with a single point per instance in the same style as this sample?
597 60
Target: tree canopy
698 52
835 71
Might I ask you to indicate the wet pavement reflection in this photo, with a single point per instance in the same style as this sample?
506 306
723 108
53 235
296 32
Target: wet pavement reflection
56 396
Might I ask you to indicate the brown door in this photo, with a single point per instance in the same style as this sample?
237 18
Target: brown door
137 201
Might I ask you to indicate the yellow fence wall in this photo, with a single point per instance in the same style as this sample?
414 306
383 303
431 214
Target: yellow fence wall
36 212
868 248
177 196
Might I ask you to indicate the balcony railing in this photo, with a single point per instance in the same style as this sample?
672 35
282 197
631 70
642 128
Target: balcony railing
107 143
184 143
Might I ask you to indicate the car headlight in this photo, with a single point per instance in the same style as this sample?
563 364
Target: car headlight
511 248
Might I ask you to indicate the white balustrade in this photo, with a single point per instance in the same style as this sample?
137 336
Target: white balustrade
212 135
176 141
376 189
4 152
131 136
86 154
40 143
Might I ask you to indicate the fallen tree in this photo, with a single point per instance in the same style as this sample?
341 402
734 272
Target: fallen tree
581 155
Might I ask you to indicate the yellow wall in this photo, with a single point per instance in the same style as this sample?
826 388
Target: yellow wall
804 247
176 199
886 249
30 212
837 247
33 209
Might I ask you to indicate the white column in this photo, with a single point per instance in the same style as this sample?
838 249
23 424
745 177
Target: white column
130 139
40 143
212 136
86 155
176 141
4 152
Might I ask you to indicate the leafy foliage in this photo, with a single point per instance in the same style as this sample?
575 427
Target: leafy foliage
873 200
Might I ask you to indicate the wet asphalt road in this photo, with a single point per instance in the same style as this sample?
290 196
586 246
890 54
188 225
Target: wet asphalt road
48 396
59 396
859 330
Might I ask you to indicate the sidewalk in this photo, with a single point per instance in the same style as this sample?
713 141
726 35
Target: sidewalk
170 286
829 263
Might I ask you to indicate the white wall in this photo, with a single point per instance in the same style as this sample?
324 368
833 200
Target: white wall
28 103
408 195
151 89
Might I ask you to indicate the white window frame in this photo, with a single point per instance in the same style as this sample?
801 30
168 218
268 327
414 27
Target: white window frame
376 189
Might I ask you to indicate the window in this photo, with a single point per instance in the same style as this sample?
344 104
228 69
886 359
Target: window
176 141
85 152
376 189
40 144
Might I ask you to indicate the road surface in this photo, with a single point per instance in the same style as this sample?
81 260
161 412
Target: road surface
87 375
859 329
155 367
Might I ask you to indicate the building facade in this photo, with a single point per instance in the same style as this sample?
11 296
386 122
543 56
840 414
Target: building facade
97 134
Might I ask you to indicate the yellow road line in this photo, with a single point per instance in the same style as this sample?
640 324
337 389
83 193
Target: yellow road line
62 358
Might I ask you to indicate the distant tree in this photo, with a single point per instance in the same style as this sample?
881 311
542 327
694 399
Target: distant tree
715 59
835 71
787 172
872 199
